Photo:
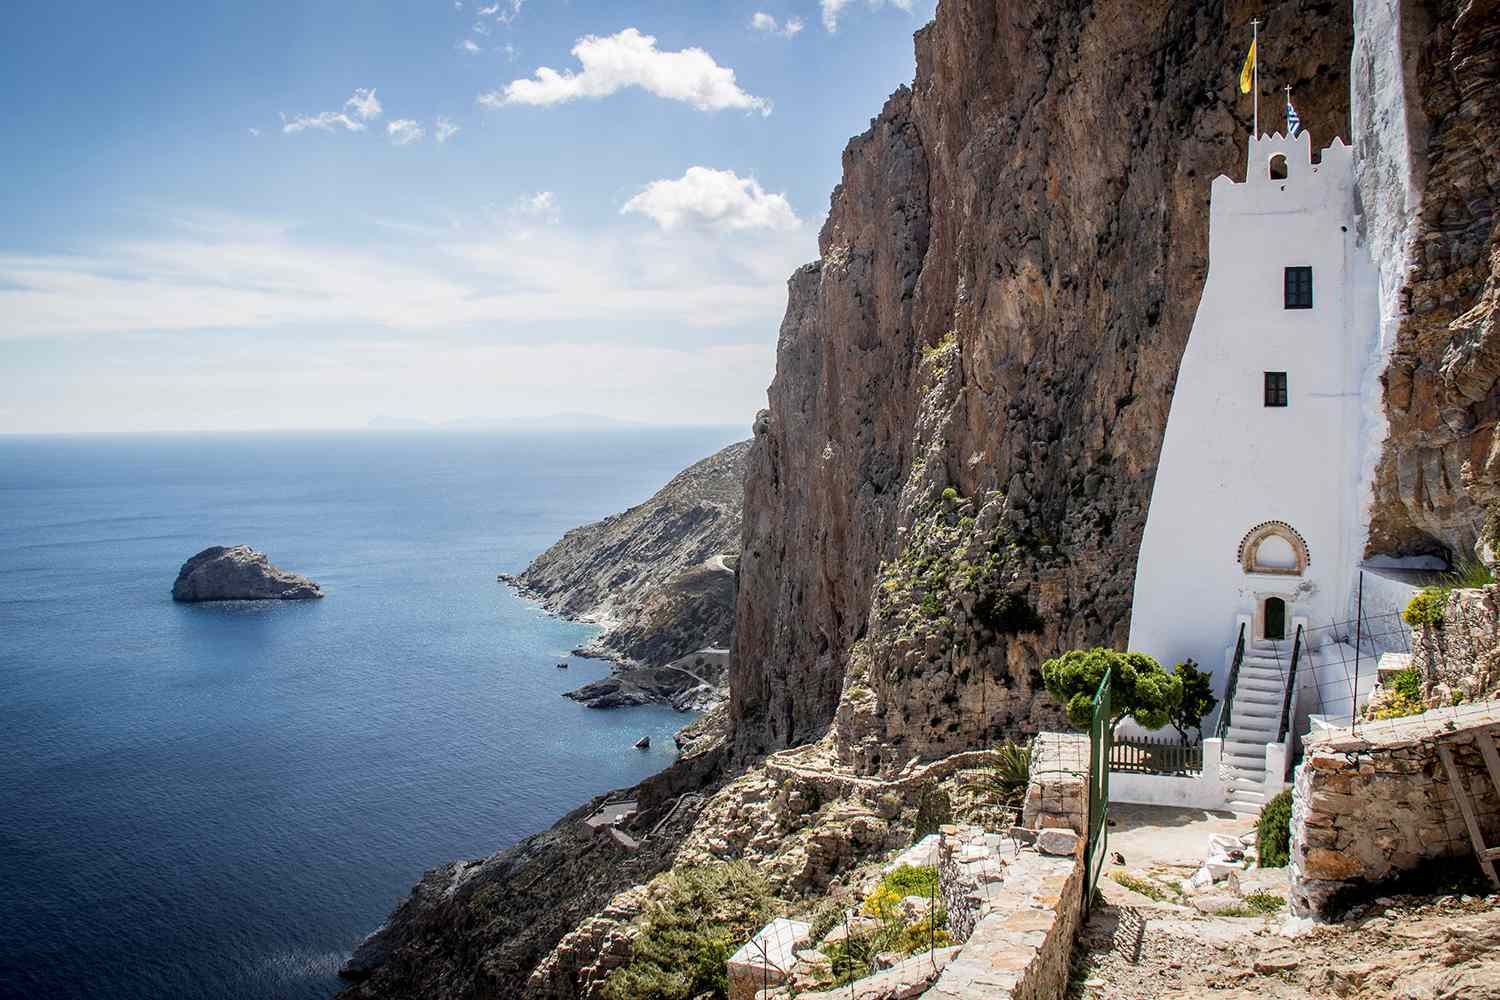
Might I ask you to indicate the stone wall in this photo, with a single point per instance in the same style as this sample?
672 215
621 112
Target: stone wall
1057 795
1373 803
1461 656
1015 908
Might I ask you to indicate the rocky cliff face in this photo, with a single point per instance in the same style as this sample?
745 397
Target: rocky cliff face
653 575
1428 92
950 482
1033 213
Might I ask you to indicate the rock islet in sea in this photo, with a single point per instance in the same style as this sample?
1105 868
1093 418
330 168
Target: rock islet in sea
239 573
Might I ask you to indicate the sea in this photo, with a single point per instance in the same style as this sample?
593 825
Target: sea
220 800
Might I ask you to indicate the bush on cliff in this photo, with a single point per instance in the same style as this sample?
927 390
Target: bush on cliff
1139 687
1426 608
1273 831
705 914
1400 697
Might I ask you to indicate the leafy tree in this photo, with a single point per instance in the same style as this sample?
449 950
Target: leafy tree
1139 687
1197 700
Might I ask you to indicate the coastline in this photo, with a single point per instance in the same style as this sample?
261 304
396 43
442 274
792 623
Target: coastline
679 684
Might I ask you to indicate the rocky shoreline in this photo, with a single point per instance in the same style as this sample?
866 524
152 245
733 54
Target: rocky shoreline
694 683
659 580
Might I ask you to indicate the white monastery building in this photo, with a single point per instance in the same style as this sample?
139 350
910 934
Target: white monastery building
1257 523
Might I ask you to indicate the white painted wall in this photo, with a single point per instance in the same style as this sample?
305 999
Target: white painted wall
1228 462
1390 142
1208 790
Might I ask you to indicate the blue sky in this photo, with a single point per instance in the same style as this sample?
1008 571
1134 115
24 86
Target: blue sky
309 215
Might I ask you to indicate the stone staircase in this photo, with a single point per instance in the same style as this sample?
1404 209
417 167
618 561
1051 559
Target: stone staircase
1255 720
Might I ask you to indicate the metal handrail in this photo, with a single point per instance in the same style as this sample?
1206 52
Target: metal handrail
1291 688
1231 684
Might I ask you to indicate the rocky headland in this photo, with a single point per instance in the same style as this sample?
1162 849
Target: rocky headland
659 579
692 683
239 573
972 385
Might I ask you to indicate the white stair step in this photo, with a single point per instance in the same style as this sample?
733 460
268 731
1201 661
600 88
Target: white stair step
1258 681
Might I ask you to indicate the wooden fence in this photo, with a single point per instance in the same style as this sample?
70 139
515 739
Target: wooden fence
1153 755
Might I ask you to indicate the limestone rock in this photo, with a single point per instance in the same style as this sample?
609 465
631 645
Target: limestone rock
1066 263
695 682
1058 841
239 573
660 577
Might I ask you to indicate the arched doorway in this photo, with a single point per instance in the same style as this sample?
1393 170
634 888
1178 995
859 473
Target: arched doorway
1275 618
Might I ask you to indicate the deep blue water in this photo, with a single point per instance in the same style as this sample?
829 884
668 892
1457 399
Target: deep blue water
220 800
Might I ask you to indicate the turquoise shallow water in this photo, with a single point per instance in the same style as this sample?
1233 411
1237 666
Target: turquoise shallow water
219 800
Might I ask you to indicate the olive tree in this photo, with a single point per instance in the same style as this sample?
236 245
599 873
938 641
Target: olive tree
1139 687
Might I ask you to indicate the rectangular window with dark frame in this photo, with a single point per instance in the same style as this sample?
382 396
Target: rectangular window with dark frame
1275 388
1299 288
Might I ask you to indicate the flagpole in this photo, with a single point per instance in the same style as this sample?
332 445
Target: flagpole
1255 71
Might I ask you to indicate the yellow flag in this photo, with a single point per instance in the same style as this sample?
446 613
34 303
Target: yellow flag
1246 71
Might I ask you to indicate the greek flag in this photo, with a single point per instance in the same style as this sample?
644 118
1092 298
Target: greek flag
1293 123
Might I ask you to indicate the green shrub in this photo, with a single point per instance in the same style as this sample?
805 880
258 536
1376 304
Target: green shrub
1273 831
853 957
1401 697
907 880
1470 572
1426 608
1006 782
1197 700
1264 902
1139 687
1141 886
689 934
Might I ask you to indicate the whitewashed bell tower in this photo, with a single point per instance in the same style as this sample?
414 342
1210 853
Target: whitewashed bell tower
1254 515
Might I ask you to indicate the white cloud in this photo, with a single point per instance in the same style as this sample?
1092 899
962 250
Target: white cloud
326 121
504 11
404 131
764 22
480 28
363 105
507 275
255 132
631 59
834 9
445 129
468 45
541 205
717 198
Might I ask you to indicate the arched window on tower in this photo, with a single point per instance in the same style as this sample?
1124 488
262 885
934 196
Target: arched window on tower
1278 167
1274 547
